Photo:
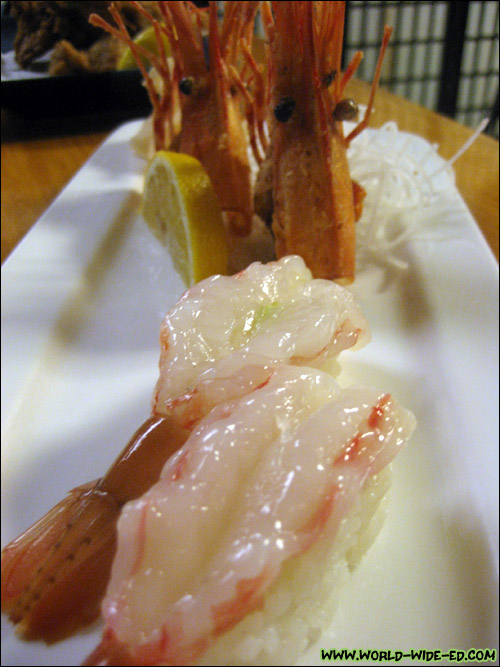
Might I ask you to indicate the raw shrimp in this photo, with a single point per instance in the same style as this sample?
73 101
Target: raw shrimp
55 574
221 341
258 482
230 331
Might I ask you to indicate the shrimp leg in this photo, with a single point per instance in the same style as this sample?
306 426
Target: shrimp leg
55 574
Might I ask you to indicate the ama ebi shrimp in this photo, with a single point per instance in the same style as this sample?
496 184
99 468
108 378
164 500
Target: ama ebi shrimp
55 574
260 480
218 105
227 334
197 104
222 340
315 202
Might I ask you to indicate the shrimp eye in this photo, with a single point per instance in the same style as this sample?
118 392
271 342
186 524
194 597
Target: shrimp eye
346 109
329 78
186 85
284 109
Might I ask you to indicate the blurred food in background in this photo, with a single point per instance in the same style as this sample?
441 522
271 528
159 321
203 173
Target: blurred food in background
63 27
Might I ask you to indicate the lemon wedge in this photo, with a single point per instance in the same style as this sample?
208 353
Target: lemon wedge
182 210
147 39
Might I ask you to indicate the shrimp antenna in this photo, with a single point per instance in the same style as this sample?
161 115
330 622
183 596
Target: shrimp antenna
362 125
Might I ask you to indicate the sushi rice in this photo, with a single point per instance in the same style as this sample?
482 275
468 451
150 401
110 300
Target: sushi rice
301 604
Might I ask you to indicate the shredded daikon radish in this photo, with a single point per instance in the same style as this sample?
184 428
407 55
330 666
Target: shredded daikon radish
482 125
408 186
398 188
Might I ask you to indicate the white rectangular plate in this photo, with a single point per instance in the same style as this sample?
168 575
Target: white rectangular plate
83 297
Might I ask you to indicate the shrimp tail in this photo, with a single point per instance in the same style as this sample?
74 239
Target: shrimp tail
21 558
55 574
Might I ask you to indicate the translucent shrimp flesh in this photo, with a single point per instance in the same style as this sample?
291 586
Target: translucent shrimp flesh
258 482
226 334
221 342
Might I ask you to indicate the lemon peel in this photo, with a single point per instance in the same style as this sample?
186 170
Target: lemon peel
182 210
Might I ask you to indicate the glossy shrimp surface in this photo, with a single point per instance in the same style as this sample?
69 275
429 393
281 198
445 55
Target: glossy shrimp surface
259 481
226 333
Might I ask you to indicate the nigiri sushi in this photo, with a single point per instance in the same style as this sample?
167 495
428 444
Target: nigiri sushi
220 341
272 487
258 492
226 334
